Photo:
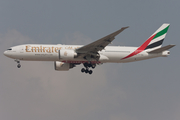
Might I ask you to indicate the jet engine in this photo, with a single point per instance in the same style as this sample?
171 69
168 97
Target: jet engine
61 66
67 54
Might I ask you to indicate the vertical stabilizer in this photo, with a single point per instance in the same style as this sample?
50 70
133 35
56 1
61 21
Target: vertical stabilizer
158 38
153 42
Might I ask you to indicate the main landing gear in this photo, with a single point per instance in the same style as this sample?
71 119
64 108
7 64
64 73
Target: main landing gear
86 70
87 66
18 63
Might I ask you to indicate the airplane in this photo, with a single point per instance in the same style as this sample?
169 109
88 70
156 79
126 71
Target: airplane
98 52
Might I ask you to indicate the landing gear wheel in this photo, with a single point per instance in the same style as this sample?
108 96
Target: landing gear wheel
82 70
90 72
93 66
86 71
18 62
87 67
18 65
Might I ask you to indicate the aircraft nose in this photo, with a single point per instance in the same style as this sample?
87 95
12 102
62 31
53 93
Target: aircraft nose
6 53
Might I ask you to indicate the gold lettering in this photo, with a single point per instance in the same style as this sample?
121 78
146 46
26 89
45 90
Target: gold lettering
48 50
56 49
27 48
69 47
65 53
76 47
40 48
44 49
52 49
35 48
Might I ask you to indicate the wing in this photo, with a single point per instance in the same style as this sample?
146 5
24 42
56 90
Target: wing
98 45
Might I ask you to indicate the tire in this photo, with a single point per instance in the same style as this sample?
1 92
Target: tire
86 71
90 72
18 65
93 66
89 65
82 70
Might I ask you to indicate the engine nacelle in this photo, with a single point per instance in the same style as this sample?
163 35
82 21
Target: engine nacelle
103 58
67 54
61 66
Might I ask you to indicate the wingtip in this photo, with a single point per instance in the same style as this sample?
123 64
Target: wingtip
126 27
173 45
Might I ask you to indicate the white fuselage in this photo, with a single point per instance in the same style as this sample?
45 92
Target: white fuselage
42 52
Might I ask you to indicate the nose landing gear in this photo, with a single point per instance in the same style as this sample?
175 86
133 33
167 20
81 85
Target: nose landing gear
19 65
18 62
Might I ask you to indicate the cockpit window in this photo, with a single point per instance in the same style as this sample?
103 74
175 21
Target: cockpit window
9 49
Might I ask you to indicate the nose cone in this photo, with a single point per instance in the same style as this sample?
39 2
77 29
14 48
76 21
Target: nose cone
6 53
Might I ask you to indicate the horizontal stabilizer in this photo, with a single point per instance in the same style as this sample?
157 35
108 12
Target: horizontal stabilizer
159 50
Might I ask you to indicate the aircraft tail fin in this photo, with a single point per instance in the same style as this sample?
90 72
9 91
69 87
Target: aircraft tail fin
154 42
157 38
160 50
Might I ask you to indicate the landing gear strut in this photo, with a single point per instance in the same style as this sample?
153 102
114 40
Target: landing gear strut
18 62
87 66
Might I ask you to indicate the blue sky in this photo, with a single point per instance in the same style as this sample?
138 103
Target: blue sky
133 91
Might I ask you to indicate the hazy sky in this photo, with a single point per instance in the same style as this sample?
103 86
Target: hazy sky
145 90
